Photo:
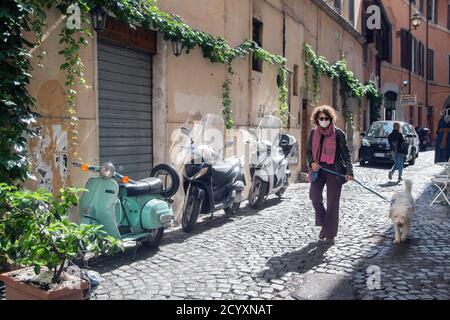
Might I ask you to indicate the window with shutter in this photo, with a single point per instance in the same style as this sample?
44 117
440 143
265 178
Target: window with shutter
432 6
337 4
334 93
448 16
435 8
449 69
413 55
405 49
430 65
421 59
257 64
351 12
429 11
421 5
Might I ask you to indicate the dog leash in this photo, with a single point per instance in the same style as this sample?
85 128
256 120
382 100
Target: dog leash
315 176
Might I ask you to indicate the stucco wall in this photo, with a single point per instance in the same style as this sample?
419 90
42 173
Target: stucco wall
52 154
189 84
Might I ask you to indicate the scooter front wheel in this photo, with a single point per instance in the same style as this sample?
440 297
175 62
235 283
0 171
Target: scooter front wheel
280 192
154 239
258 193
190 213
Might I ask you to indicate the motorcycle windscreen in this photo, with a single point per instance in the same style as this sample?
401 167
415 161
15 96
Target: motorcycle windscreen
100 205
207 134
269 130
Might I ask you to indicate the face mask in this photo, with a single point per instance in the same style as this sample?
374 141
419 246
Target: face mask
324 124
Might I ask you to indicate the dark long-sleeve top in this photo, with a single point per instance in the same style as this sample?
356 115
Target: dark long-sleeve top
395 140
342 160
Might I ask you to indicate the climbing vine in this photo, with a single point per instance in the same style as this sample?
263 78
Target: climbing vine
28 16
226 100
350 85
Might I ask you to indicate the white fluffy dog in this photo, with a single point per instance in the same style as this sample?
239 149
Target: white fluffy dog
401 212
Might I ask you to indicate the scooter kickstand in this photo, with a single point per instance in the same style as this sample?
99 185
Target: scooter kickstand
136 248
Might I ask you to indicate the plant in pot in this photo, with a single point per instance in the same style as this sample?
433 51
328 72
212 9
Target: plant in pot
37 234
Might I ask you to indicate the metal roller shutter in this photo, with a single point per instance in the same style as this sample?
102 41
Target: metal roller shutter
125 109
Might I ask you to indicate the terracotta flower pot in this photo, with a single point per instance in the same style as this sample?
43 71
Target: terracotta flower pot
18 290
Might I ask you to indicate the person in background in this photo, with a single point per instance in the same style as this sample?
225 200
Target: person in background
396 140
443 138
327 148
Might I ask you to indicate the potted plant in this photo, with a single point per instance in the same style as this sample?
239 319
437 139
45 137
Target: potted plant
37 234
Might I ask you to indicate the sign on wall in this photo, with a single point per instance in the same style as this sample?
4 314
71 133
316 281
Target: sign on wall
408 100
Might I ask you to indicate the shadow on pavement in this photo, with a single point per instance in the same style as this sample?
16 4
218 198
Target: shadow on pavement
389 184
415 269
299 261
171 236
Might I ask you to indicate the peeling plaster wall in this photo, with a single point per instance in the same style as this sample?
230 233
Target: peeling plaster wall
50 154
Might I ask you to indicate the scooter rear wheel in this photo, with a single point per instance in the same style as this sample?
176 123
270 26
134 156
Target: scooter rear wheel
154 238
190 213
233 209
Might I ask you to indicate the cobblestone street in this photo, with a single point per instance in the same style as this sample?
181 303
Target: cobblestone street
273 253
269 254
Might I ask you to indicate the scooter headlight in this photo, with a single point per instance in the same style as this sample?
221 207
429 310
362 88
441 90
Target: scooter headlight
107 171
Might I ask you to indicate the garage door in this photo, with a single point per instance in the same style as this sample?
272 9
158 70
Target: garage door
125 109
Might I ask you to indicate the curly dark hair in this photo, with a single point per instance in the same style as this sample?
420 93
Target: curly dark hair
328 110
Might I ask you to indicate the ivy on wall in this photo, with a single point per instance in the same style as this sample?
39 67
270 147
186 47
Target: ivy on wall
350 86
28 16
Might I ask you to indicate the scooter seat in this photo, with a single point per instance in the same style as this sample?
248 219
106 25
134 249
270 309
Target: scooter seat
222 171
149 186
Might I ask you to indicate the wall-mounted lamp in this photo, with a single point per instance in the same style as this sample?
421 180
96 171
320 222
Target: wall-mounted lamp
416 20
98 18
177 46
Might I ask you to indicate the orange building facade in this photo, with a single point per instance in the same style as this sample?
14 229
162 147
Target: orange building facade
425 51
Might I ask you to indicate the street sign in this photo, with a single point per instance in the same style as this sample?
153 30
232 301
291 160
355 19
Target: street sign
408 100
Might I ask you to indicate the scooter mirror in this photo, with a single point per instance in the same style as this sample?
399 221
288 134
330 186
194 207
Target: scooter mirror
185 131
252 132
210 140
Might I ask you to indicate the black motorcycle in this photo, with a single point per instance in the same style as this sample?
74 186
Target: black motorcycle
424 137
210 184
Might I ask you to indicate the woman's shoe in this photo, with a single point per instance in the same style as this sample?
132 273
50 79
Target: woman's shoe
391 173
400 179
321 235
329 241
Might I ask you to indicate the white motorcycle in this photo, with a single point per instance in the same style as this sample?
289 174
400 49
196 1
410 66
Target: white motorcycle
269 163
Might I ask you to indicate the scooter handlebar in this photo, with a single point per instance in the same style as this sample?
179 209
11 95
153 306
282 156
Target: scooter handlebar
91 168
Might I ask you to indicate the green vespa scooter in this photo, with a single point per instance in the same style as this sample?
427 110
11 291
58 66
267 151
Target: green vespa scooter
129 210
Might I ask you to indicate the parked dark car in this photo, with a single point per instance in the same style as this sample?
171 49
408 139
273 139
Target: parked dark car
375 146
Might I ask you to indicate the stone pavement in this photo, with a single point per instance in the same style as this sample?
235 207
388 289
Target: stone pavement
273 253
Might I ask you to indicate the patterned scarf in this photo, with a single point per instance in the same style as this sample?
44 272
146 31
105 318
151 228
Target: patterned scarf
329 144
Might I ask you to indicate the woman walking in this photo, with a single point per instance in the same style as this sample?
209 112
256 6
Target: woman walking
396 140
327 148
